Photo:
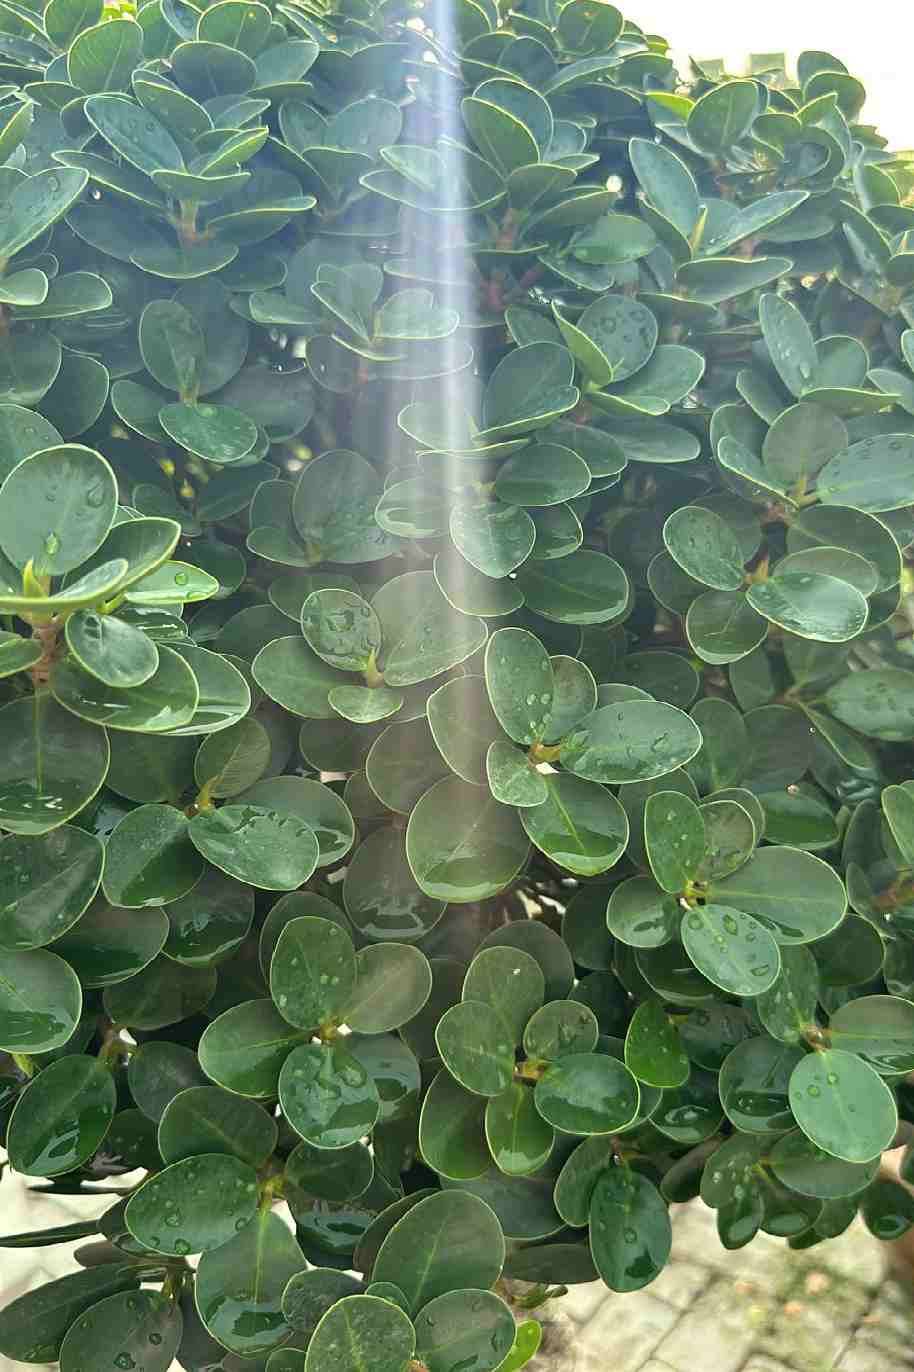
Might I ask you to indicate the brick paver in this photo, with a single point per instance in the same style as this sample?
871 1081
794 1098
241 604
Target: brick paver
764 1308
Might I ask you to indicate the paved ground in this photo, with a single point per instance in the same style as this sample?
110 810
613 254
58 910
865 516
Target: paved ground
762 1309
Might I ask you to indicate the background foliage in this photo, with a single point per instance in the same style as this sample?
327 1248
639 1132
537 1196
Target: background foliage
457 656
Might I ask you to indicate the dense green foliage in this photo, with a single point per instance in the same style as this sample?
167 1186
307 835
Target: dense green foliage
458 681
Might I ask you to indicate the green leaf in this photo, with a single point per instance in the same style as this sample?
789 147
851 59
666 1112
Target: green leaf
512 778
166 700
109 944
146 1323
463 726
704 547
887 1209
51 767
244 1048
541 475
17 654
327 1096
45 884
753 1085
206 1119
494 538
519 1139
801 440
732 949
172 345
612 339
463 1328
61 1117
722 117
587 1093
33 1326
64 19
333 508
110 650
510 981
578 1177
194 1205
667 183
449 1241
613 240
451 1137
878 703
296 678
37 202
218 433
810 604
150 859
462 847
653 1052
309 1295
898 808
515 662
104 57
56 508
794 894
230 761
788 1008
870 475
239 1286
272 851
143 544
528 389
560 1028
380 892
341 627
40 1002
579 825
163 993
790 343
802 1166
23 433
585 587
674 839
822 1088
475 1046
712 280
312 971
394 981
630 1230
640 914
880 1029
632 741
362 1332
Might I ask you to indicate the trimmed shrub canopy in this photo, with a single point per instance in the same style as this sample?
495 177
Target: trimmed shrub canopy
457 701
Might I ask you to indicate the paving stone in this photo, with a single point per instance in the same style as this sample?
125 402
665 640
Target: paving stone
863 1357
681 1283
855 1255
584 1301
624 1332
695 1241
811 1333
695 1236
889 1323
718 1332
